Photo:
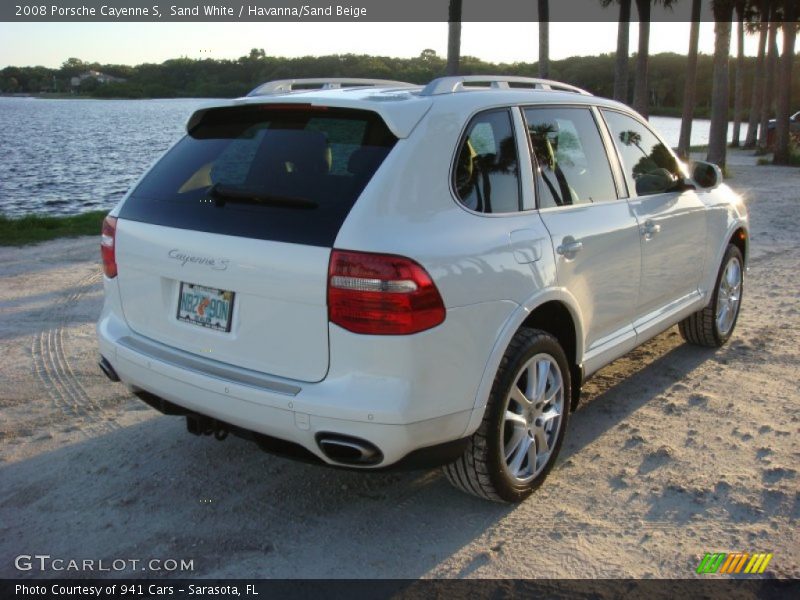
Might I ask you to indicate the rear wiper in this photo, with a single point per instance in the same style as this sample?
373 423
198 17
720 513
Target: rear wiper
223 194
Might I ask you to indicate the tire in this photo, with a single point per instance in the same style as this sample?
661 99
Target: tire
713 325
483 469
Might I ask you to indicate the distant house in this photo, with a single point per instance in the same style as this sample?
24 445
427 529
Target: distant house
97 75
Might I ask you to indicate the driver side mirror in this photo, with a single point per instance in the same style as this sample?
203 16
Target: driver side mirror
706 175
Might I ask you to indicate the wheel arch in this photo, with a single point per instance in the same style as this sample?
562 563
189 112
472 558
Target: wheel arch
554 311
555 318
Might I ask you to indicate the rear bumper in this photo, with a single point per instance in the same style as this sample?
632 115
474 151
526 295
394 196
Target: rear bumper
280 409
422 458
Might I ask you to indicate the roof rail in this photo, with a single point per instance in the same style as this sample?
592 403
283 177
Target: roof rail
285 86
449 85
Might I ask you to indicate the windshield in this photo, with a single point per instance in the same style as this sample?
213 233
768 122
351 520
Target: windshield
288 173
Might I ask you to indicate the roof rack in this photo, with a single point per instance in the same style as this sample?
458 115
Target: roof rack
449 85
285 86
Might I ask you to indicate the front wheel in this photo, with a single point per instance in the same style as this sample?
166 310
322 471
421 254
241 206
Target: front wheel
713 325
523 426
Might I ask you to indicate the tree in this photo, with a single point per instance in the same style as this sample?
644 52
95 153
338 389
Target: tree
690 89
454 37
782 153
544 38
72 67
641 92
738 93
621 56
759 79
768 97
718 133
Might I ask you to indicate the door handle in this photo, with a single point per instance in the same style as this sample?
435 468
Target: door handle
650 229
569 247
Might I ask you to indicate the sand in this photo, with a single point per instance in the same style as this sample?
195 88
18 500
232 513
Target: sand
674 452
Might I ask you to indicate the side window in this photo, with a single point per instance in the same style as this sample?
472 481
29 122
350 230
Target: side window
487 168
647 162
571 165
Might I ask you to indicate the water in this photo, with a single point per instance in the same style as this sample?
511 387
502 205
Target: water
71 156
670 130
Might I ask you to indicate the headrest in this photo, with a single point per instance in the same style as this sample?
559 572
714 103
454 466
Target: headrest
305 151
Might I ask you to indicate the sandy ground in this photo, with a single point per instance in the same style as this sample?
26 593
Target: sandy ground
675 451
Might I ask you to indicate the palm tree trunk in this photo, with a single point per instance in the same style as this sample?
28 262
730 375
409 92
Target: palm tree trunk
454 37
621 61
690 89
640 91
769 88
544 38
785 91
738 94
718 133
759 78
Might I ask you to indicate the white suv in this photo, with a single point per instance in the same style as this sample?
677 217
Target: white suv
370 273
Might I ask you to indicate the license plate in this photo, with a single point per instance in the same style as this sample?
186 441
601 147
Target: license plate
205 306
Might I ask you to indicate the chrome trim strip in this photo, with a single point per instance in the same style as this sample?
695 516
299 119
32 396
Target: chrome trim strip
206 366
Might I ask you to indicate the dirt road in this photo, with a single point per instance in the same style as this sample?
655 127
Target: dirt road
675 451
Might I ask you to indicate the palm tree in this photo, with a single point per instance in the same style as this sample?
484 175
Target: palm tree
717 135
454 37
641 93
768 93
785 91
759 78
621 59
544 38
738 94
690 89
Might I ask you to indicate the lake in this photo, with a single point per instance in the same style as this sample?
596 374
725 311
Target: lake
71 156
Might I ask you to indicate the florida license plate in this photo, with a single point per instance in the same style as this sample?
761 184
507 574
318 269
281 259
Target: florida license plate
205 306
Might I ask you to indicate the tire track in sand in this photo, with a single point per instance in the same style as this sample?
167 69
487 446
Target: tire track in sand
53 370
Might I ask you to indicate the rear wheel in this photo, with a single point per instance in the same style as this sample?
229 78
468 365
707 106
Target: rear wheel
523 426
713 325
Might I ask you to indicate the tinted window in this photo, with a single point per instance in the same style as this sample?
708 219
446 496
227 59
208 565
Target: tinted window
571 165
487 169
648 163
285 174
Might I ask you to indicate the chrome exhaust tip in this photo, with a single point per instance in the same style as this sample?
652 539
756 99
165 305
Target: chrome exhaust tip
347 450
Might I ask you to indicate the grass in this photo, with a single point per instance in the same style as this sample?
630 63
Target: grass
30 229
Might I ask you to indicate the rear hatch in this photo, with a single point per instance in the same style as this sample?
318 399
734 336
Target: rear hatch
223 248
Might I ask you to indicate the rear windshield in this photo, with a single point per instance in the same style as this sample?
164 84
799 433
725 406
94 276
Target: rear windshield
284 173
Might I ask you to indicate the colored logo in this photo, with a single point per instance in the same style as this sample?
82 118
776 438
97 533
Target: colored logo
733 563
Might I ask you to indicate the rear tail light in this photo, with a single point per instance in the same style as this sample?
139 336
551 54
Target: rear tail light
107 241
381 294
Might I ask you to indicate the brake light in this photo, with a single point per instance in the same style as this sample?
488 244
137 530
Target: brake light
381 294
107 240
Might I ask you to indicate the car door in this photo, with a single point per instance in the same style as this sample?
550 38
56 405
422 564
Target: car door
672 220
594 233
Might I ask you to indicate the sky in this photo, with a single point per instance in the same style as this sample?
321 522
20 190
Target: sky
50 44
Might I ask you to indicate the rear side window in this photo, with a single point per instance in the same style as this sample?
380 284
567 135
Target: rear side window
486 175
282 173
648 163
571 165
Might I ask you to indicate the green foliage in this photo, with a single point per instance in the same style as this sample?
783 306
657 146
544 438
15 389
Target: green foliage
206 78
35 228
